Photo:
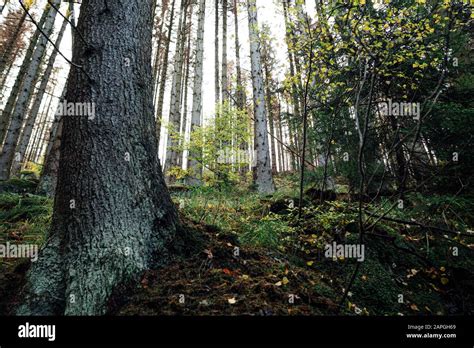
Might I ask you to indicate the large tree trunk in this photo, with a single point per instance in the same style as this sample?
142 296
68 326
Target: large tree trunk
194 166
263 170
113 216
18 115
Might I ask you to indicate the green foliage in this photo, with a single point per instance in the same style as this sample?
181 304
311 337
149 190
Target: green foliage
24 217
221 148
266 232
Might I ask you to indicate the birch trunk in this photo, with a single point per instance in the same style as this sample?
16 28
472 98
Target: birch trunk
263 171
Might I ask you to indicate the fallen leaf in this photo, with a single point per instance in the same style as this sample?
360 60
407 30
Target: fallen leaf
444 281
285 280
310 263
227 271
232 300
414 307
209 253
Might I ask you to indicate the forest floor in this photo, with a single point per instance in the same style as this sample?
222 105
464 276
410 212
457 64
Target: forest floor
255 257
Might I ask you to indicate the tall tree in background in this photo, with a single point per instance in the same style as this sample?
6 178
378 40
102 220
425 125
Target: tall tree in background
174 123
263 171
164 74
33 113
104 233
196 113
14 92
216 56
8 155
224 72
240 97
10 34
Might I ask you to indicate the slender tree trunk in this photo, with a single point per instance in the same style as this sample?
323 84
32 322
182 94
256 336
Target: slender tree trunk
164 74
240 88
172 152
216 56
105 234
10 45
9 68
263 171
156 63
7 156
7 111
281 154
270 116
294 87
184 121
27 130
194 166
39 143
224 81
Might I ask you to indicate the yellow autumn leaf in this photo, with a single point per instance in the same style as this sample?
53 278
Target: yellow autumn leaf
444 281
310 263
285 280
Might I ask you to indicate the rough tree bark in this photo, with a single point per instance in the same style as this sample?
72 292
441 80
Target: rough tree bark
263 170
113 216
